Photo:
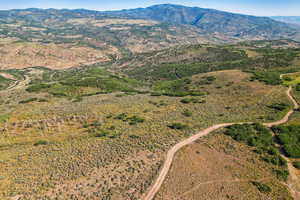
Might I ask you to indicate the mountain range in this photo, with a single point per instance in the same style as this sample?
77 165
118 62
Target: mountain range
58 38
288 19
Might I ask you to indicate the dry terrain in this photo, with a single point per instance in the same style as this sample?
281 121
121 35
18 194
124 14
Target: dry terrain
217 167
19 55
59 148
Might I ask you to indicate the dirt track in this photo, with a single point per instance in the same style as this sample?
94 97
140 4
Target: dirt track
171 153
19 84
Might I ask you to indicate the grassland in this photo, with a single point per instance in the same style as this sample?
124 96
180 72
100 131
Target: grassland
218 167
110 146
201 170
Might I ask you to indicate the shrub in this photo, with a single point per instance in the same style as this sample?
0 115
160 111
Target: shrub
253 135
281 174
298 87
101 134
134 136
38 87
156 94
273 151
191 100
41 142
270 78
275 160
122 116
58 94
279 106
296 164
135 119
28 100
42 100
262 187
33 100
289 137
177 126
292 150
187 113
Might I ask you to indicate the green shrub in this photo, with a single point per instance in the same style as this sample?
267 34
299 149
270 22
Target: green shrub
191 100
58 94
289 138
156 94
281 174
135 119
296 164
262 187
298 87
42 100
28 100
251 134
101 133
134 136
132 120
122 116
187 113
270 78
41 142
33 100
292 150
279 106
275 160
38 87
177 126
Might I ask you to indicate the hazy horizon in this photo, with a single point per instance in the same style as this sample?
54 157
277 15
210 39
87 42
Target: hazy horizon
254 7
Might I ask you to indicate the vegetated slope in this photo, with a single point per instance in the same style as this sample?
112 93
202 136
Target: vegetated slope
107 36
211 21
91 32
111 145
184 61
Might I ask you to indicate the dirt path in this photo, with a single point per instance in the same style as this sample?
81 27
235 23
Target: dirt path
19 84
293 183
171 153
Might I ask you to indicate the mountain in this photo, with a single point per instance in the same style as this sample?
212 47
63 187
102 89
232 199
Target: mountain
213 21
67 38
288 19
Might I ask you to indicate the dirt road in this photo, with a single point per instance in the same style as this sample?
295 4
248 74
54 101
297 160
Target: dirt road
19 84
171 153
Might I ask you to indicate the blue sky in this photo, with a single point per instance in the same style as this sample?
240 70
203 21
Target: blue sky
253 7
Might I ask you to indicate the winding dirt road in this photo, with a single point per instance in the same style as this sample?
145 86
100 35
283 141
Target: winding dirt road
171 153
19 84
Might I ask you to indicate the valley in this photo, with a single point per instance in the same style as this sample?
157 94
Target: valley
164 102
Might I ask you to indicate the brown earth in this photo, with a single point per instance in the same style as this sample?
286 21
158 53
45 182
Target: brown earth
19 55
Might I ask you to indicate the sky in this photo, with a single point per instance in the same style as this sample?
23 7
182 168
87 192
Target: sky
252 7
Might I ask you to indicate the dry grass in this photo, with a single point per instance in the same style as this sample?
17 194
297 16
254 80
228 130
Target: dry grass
23 55
217 167
73 155
109 22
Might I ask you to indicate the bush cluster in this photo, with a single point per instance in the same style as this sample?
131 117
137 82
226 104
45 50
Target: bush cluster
289 137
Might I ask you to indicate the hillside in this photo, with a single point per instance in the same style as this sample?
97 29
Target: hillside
165 102
211 21
288 19
66 38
